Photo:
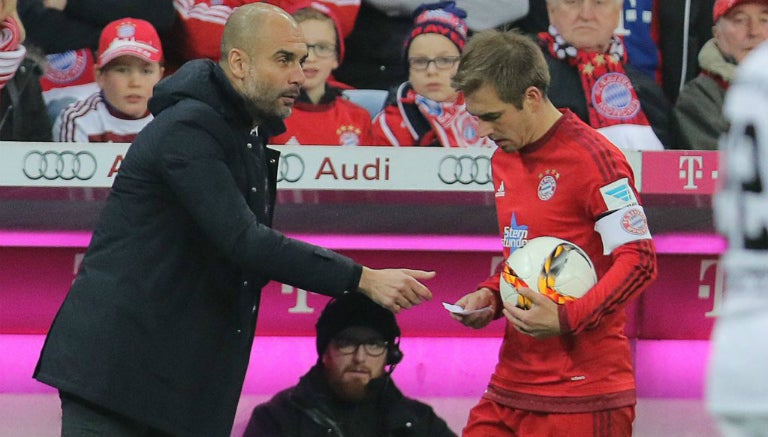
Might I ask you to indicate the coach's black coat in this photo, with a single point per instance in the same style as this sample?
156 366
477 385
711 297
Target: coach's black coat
159 322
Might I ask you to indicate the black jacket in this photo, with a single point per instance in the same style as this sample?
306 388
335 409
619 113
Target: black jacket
159 322
565 91
80 23
23 116
307 410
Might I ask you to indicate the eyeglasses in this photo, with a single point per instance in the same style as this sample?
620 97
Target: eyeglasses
441 62
373 348
323 50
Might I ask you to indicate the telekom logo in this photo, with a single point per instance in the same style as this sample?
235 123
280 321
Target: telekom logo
691 171
679 172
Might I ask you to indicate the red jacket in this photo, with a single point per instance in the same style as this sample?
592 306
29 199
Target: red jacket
200 23
335 121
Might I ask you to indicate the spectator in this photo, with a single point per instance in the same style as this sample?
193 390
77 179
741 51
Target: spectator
129 66
668 55
740 25
22 110
591 76
349 391
375 48
563 370
67 31
321 115
737 384
426 110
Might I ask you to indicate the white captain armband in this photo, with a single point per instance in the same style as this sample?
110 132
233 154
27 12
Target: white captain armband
623 226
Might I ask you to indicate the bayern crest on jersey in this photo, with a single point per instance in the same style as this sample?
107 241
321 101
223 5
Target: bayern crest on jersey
348 135
548 184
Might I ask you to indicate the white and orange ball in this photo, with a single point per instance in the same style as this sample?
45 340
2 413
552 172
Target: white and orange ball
551 266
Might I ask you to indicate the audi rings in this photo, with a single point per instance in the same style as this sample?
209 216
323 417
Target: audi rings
465 169
65 165
291 168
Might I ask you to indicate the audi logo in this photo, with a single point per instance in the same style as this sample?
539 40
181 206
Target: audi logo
291 168
465 169
65 165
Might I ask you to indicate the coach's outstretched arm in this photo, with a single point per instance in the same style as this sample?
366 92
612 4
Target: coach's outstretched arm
395 289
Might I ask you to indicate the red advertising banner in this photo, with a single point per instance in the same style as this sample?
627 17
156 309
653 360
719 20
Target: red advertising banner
679 172
679 305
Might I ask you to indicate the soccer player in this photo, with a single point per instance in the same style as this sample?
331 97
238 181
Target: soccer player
737 386
563 369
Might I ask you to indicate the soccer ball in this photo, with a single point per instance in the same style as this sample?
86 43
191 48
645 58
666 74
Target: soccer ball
556 268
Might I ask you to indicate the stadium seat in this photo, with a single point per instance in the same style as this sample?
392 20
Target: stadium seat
370 99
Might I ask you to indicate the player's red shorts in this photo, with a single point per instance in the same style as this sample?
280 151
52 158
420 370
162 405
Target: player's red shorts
489 419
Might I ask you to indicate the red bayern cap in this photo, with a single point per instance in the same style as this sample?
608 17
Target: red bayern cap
722 7
132 37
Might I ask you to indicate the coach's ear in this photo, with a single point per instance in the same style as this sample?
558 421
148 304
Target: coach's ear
238 62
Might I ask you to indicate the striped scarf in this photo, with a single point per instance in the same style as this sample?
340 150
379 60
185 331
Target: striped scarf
11 50
611 98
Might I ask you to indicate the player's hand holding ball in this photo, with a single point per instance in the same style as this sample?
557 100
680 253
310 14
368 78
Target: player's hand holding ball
540 321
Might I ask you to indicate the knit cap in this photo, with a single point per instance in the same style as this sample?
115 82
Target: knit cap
443 18
354 309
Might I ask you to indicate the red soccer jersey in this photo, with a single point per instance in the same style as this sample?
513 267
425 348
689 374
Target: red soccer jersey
338 123
553 188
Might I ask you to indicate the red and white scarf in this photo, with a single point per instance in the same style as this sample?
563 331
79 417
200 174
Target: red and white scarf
611 98
11 50
452 125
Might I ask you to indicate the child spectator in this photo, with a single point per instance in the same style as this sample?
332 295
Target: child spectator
374 57
426 110
128 67
67 32
321 115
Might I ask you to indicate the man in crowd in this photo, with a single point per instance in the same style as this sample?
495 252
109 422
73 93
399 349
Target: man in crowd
592 77
740 25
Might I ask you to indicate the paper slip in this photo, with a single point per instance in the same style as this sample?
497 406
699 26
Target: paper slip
455 309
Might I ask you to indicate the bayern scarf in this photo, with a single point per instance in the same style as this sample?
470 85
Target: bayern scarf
452 125
611 98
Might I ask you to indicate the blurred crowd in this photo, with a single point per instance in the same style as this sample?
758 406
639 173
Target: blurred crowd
648 74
